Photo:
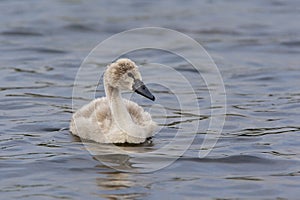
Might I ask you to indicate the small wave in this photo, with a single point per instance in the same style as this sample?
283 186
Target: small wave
20 33
231 159
295 43
266 131
80 27
43 50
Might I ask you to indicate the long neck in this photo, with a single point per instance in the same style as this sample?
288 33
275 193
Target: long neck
118 109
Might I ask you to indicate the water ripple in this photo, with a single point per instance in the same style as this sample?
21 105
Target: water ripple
266 131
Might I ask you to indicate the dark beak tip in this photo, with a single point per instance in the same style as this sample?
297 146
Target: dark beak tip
140 88
153 98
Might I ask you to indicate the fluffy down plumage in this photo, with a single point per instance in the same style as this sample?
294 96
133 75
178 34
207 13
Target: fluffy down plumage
112 119
94 122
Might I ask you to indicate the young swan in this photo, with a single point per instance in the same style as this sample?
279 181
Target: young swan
112 119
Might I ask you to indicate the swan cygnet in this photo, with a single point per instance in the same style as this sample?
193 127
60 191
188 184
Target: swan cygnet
112 119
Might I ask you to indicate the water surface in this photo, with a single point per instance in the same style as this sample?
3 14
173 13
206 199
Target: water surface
256 47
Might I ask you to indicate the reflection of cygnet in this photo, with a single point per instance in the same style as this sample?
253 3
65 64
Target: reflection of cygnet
112 119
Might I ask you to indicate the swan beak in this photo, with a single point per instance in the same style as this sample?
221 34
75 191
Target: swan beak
140 88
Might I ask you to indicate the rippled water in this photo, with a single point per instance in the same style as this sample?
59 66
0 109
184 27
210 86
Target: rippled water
256 46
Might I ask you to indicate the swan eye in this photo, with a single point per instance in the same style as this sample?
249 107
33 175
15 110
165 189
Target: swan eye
130 75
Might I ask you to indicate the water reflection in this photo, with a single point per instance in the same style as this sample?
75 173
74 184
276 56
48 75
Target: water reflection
147 157
116 185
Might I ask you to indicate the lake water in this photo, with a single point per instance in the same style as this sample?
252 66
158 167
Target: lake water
256 46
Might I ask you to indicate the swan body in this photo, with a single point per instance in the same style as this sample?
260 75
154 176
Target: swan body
112 119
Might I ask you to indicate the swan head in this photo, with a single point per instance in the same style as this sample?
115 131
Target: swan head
124 75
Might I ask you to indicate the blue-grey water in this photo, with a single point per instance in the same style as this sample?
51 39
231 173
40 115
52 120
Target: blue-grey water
256 46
